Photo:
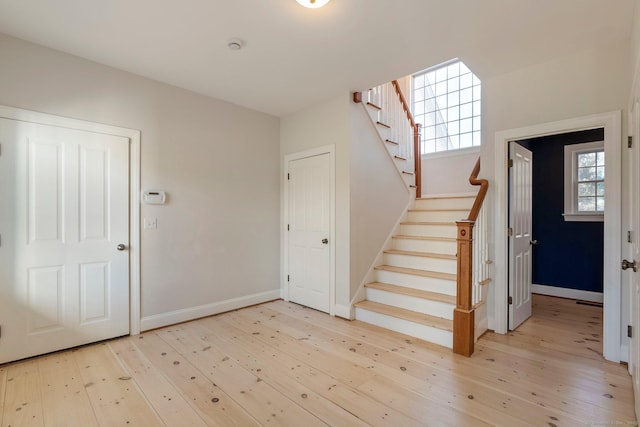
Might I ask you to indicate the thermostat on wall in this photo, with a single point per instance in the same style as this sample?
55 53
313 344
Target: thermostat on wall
153 197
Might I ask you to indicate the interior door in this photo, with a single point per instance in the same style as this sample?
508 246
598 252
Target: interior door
64 279
634 255
309 231
520 240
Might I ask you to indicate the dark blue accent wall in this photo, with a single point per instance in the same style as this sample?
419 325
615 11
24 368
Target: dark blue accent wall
568 254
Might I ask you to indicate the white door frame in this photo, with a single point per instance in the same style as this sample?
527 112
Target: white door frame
19 114
284 287
612 124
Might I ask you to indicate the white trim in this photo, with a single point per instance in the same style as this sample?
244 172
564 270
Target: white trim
452 153
134 193
571 212
578 294
612 123
187 314
327 149
344 311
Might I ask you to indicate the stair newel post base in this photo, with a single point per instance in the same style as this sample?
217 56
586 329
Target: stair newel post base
464 315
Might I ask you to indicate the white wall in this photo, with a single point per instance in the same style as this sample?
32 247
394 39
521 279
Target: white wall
370 194
217 237
588 82
378 195
324 124
448 174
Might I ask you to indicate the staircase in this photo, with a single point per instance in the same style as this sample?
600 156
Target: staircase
414 291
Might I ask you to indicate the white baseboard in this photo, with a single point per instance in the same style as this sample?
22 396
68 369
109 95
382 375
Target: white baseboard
344 311
567 293
184 315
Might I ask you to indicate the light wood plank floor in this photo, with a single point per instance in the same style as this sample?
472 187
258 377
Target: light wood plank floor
282 364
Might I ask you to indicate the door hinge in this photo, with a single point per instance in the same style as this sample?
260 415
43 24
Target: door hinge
629 331
510 231
510 300
629 240
288 177
630 142
510 163
288 227
288 278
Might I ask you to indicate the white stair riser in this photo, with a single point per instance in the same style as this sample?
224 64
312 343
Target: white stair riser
427 333
436 216
430 284
445 203
428 230
422 263
435 246
433 308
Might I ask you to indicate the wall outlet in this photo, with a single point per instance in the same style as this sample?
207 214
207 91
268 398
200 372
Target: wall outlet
150 223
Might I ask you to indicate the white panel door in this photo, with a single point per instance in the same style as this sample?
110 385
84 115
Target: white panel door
309 227
634 255
64 211
520 241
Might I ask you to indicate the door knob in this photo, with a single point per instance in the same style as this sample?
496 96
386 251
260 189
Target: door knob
325 241
629 264
121 247
533 242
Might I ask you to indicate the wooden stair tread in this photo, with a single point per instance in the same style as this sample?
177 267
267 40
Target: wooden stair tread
407 172
435 196
411 316
399 158
412 292
416 272
383 125
374 106
447 223
439 210
392 142
421 254
437 239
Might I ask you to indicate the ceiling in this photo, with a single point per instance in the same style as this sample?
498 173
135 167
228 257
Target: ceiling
295 57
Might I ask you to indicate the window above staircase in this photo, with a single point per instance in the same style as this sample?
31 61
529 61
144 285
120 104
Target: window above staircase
446 102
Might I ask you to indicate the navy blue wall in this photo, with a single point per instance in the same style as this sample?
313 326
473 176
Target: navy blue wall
568 254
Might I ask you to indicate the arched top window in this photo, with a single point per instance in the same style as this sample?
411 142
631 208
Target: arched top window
446 101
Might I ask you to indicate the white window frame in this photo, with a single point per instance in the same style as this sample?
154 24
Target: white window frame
571 212
452 151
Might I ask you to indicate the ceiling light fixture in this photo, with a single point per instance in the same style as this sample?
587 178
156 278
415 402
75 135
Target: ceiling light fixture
235 44
313 4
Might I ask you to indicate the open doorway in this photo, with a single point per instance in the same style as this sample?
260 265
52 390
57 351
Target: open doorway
565 237
611 123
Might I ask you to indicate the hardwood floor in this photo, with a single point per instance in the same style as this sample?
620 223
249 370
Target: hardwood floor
282 364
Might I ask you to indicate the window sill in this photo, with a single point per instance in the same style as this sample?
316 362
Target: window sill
452 153
583 217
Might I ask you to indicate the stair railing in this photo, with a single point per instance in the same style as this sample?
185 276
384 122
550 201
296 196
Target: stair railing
392 105
472 271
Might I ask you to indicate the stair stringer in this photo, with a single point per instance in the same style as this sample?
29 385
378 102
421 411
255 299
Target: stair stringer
381 139
360 294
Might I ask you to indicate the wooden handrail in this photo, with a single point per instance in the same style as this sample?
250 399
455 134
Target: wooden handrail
464 313
417 154
405 104
484 186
